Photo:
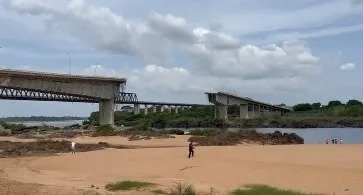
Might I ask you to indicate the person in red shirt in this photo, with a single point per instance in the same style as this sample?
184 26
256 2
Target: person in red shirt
191 150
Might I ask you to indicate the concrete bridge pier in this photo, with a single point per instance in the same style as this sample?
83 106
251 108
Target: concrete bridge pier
176 109
243 111
106 108
136 109
162 109
251 113
182 108
154 109
146 109
169 109
221 112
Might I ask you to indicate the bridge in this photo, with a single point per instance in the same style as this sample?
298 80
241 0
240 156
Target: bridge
106 91
249 108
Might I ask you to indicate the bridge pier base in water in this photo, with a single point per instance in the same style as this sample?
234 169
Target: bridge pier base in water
106 108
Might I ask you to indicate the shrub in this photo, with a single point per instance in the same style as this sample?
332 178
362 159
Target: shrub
105 130
264 190
180 189
141 127
175 132
128 185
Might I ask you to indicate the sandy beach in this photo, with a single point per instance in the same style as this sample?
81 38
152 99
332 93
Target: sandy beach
322 168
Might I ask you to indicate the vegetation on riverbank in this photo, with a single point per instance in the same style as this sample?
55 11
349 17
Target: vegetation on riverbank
213 137
265 190
128 185
185 189
335 114
193 117
47 147
12 126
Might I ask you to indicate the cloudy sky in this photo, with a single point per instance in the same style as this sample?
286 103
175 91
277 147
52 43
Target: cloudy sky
272 50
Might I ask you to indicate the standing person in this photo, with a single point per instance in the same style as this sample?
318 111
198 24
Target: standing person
191 149
341 141
73 147
327 141
336 141
332 141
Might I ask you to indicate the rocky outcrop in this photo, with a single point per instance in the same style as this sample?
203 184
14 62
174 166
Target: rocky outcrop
233 138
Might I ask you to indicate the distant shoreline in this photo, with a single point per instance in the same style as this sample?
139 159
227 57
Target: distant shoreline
39 119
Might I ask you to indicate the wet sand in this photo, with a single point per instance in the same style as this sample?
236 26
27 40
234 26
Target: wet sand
310 168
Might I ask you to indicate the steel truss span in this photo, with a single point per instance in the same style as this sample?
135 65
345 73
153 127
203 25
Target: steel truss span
23 94
126 98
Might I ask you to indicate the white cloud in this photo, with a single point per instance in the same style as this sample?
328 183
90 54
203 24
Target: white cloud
291 59
347 66
324 32
163 36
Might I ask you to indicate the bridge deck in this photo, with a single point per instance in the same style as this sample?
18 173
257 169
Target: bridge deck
11 72
169 104
250 100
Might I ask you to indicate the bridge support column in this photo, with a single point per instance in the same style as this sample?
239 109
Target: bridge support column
154 109
162 109
136 109
146 109
253 111
106 112
182 108
169 109
176 110
243 111
221 112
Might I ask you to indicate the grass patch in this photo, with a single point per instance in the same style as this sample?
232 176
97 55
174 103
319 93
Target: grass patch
128 185
105 130
180 189
265 190
159 191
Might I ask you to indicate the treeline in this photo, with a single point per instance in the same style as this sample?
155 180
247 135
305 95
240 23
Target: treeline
11 126
41 118
192 117
318 105
352 108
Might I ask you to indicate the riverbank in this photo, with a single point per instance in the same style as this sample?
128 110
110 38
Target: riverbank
313 168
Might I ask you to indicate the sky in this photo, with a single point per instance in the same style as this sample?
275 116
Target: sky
275 51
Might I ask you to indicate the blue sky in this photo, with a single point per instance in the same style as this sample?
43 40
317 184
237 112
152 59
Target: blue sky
272 50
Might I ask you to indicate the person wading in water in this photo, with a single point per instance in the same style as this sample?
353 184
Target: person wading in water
191 149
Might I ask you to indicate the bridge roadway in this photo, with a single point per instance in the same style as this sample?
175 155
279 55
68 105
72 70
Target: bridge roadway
249 108
107 91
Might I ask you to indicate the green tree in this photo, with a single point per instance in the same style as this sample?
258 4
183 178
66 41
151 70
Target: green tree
354 103
302 107
233 110
316 105
335 103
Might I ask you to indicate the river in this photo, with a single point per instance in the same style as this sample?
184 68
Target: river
310 135
319 135
51 123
